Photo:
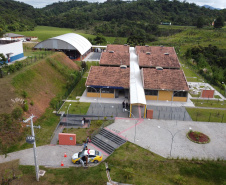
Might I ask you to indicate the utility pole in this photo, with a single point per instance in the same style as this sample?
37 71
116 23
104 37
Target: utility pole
31 140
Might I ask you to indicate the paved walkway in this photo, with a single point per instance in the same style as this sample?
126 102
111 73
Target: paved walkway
48 155
93 56
158 140
145 134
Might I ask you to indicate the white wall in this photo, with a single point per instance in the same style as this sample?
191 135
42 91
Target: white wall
16 48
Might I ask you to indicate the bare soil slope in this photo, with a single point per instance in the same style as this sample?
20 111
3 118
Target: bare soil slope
41 82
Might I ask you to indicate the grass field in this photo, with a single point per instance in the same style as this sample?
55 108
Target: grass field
75 108
207 115
210 103
46 32
129 164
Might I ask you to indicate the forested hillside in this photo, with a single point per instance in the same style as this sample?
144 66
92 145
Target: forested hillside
16 16
111 18
114 17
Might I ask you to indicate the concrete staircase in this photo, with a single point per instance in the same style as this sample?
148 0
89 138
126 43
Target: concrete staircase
107 141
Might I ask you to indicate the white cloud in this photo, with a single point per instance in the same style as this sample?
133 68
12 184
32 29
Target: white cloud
215 3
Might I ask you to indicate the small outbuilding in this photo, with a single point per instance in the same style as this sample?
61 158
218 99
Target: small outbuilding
73 45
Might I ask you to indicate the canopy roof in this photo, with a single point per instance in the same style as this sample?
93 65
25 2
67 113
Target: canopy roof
137 95
69 41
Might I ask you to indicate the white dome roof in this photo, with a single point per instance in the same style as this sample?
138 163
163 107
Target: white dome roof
69 41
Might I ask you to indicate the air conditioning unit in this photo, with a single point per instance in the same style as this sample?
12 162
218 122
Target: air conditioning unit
159 68
123 66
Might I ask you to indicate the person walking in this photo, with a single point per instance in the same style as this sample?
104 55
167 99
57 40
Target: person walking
87 140
127 105
84 145
123 106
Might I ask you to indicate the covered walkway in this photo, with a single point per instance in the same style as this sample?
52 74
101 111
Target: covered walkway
137 96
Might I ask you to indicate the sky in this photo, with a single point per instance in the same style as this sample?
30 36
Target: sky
214 3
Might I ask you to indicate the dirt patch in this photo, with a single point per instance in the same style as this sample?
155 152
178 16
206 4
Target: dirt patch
6 94
44 85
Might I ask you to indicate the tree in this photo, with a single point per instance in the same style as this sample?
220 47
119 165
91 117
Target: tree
2 63
100 39
219 22
200 22
136 41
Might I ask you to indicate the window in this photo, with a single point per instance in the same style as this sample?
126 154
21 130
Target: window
180 94
71 138
107 90
92 89
151 92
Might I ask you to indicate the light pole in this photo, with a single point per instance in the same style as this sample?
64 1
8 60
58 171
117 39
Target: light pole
172 136
135 124
32 141
67 115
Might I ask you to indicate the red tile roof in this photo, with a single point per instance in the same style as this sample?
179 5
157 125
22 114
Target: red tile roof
154 49
168 79
115 59
153 56
108 76
118 48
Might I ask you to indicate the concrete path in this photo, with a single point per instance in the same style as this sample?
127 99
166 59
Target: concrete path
92 56
159 140
170 138
48 155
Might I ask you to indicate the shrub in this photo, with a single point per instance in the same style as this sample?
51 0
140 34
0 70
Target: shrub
24 94
177 179
11 69
17 113
128 173
18 65
32 103
25 107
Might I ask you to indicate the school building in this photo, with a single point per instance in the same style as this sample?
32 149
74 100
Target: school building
140 74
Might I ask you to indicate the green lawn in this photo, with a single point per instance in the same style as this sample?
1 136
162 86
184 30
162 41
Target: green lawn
75 107
209 103
46 32
207 115
133 165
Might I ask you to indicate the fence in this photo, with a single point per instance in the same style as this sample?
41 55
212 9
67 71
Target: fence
16 66
209 117
60 102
